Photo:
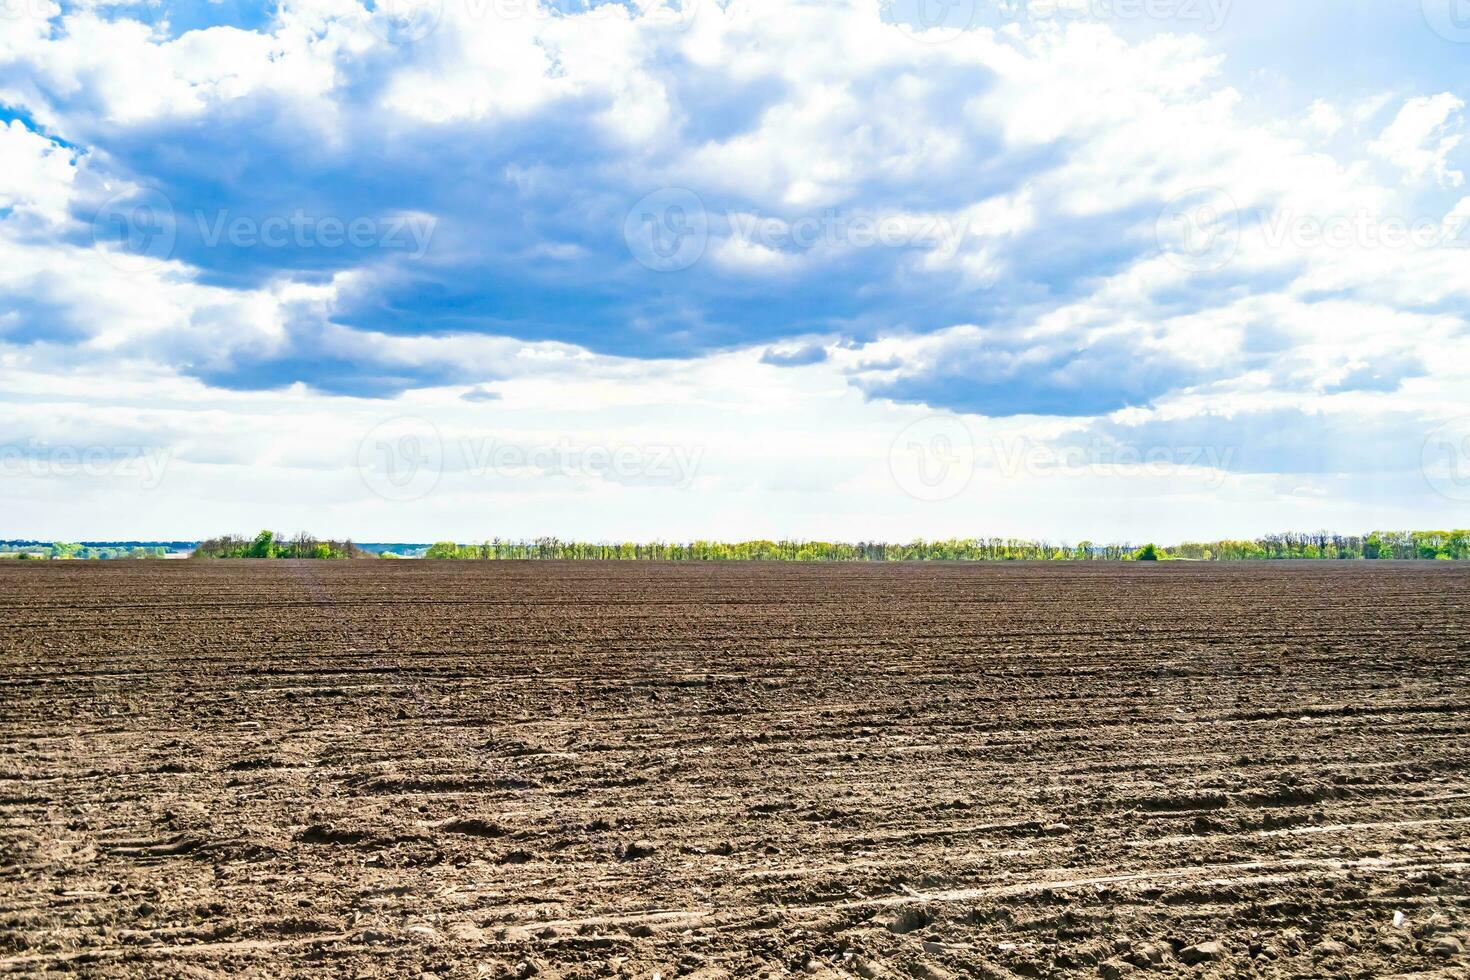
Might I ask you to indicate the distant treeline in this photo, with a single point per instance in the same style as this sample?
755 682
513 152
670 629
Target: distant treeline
267 544
1445 545
1401 545
68 549
1322 545
34 543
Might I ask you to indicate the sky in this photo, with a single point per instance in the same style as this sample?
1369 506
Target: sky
1115 270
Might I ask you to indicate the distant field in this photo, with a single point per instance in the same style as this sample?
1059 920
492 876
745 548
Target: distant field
637 769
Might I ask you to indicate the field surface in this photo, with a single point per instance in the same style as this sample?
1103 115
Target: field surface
415 769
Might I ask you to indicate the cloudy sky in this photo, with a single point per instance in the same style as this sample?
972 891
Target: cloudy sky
1114 269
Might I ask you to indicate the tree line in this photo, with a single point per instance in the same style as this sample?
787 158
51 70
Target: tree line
267 544
1403 545
976 549
72 549
1321 545
1399 545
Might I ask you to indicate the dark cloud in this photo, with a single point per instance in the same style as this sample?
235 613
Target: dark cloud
481 395
798 357
1002 377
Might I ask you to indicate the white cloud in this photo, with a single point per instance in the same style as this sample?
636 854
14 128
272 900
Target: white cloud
1050 150
35 174
1421 139
1323 119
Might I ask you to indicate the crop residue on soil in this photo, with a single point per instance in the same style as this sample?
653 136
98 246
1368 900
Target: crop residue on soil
595 770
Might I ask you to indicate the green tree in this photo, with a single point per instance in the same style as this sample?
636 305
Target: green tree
264 545
1148 552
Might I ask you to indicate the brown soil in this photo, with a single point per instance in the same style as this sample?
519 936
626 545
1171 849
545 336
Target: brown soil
596 770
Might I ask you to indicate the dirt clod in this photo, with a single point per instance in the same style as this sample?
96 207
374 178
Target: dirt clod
1201 953
634 850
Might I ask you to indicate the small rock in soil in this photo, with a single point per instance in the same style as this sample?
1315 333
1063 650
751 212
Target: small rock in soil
1201 953
638 849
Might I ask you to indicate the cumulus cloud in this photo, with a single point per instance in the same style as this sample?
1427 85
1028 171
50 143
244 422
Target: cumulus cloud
999 219
862 156
35 175
1421 139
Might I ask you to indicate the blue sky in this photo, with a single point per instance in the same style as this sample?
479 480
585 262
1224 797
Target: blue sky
473 267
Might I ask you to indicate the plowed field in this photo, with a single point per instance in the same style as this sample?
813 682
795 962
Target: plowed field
409 769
